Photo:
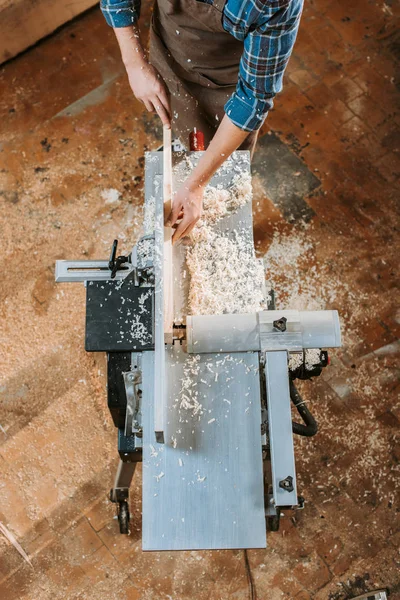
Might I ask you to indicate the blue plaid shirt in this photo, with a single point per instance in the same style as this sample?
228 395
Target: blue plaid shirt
268 30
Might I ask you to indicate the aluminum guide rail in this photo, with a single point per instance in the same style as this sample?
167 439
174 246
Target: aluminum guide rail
280 429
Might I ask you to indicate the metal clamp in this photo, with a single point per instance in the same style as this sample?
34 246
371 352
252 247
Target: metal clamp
133 421
279 334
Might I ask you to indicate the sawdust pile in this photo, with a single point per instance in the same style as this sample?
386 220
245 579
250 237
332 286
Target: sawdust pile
300 280
219 201
225 276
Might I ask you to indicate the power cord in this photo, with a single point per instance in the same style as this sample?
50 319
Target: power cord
250 579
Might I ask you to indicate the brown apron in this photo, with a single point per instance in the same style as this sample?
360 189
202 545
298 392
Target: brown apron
199 62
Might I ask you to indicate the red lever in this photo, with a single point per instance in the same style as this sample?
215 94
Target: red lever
196 140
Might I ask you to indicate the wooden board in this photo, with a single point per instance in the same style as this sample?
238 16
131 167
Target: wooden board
24 22
167 250
154 195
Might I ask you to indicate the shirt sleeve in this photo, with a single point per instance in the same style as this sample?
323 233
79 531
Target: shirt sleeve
120 13
269 32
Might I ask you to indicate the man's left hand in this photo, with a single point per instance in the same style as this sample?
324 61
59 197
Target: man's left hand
187 207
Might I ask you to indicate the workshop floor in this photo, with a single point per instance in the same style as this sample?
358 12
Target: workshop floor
71 134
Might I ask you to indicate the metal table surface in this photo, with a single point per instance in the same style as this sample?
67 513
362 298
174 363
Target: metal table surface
203 487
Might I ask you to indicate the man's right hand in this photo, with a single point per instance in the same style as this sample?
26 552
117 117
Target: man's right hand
145 81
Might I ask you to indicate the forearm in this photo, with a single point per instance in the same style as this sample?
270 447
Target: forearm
146 83
227 139
132 51
187 204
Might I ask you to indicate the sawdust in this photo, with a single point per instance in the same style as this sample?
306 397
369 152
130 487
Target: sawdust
310 357
225 276
110 196
188 398
299 279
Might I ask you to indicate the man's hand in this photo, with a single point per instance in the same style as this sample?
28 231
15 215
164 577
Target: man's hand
187 207
150 89
145 81
188 202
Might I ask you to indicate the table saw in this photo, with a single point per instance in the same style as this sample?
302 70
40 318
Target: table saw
216 471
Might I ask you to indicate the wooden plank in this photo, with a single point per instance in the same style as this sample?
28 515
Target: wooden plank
24 22
154 198
167 252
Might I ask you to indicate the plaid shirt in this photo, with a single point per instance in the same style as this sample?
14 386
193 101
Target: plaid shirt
268 31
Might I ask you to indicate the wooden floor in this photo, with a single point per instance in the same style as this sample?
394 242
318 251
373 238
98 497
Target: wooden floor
72 140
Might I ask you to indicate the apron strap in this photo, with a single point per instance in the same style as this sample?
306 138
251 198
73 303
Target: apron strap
219 4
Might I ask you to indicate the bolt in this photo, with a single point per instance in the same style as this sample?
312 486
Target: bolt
280 324
287 484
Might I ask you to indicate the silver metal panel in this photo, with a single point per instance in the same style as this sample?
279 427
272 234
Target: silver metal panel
280 426
255 331
203 488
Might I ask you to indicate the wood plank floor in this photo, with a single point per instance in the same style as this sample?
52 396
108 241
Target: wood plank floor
70 132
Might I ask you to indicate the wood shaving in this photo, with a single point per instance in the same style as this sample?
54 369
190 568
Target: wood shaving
149 216
188 396
215 203
145 252
311 358
241 190
225 276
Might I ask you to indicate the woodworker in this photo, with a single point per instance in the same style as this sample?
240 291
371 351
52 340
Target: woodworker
215 65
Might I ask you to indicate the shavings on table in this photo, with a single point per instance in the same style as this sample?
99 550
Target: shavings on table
225 276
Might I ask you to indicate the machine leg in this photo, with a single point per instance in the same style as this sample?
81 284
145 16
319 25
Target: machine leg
272 512
120 493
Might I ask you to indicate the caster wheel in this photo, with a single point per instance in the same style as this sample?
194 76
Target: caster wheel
123 517
273 522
